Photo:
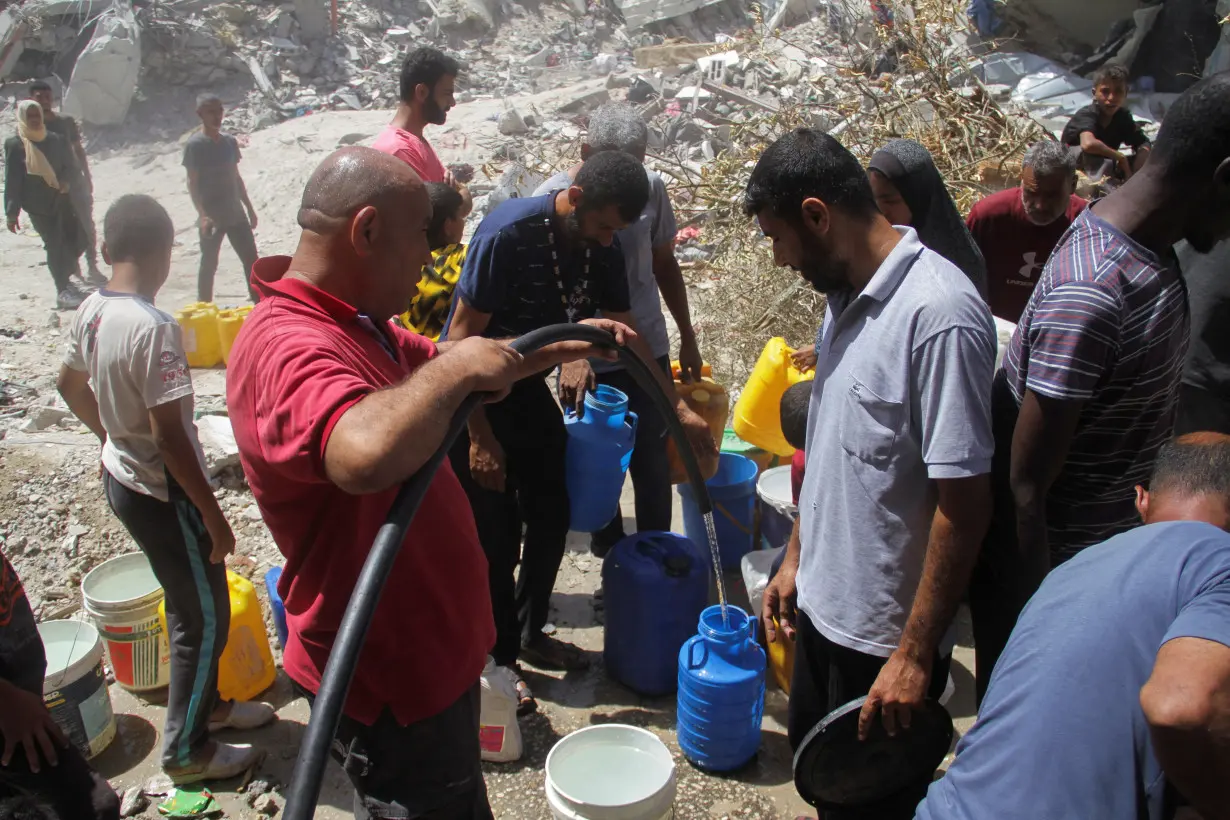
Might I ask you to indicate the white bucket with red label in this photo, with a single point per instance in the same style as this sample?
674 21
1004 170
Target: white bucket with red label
122 596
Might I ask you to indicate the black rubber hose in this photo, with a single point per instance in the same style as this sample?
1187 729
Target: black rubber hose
304 789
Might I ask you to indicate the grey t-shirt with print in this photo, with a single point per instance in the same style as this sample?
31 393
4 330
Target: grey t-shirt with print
134 355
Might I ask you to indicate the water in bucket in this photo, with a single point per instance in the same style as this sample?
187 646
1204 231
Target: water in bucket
610 772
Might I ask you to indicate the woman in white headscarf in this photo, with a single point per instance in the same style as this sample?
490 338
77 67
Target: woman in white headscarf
39 171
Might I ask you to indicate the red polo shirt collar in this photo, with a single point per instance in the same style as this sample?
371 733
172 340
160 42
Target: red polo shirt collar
267 278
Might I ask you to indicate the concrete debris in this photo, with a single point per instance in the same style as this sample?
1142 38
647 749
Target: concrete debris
40 417
134 802
511 123
266 804
218 443
313 18
104 78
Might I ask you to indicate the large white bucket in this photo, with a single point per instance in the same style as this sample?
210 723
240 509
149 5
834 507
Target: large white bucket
75 688
611 772
122 596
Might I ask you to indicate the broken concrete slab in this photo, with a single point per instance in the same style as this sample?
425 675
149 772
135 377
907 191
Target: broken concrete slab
511 123
12 33
218 443
671 55
313 17
104 79
640 13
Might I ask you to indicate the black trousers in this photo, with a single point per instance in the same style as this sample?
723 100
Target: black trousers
173 538
1201 410
61 235
1001 584
826 676
431 769
650 468
71 789
241 239
530 428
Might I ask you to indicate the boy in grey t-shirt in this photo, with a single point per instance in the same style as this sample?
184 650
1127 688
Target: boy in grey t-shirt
126 377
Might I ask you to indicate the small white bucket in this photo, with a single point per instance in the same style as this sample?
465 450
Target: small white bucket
777 509
74 687
611 772
122 596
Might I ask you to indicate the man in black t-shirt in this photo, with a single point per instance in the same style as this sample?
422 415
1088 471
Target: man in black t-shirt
82 196
219 196
1204 395
37 761
1101 129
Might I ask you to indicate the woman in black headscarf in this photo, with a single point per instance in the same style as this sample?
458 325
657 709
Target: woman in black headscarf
910 191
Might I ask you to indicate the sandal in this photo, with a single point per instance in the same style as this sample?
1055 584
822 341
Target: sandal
553 654
526 705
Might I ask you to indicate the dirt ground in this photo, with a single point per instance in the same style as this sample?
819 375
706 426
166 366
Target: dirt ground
55 525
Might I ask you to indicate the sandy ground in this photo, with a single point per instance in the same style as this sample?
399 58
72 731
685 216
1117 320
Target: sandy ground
276 163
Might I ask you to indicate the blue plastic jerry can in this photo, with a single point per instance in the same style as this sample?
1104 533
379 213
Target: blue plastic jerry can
600 447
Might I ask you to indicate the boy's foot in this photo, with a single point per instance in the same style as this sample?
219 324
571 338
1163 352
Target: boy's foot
69 299
222 761
526 705
241 715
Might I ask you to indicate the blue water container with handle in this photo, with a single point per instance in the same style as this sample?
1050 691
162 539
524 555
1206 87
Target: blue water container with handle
656 584
721 691
596 461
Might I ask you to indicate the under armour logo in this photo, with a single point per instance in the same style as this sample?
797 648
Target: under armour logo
1027 270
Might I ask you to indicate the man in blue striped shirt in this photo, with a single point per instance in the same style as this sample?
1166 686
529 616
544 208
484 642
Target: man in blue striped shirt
1087 393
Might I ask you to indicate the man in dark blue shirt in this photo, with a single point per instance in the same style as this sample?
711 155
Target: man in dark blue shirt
535 262
1112 697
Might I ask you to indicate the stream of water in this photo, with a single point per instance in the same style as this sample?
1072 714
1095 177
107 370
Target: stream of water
717 565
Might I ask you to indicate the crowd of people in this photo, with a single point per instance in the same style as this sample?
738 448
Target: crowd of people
1051 492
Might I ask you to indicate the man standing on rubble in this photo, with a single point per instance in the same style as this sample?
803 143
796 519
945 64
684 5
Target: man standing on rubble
1090 382
648 246
334 407
896 496
219 196
428 77
82 196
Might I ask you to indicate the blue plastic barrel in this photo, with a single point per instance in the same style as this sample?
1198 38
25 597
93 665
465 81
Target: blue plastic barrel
721 691
733 492
275 603
656 585
596 460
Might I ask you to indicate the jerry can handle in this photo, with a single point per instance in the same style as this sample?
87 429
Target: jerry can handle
632 418
692 664
751 628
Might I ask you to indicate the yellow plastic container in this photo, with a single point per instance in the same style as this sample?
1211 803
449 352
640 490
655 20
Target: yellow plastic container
758 413
709 400
229 323
781 660
202 342
246 668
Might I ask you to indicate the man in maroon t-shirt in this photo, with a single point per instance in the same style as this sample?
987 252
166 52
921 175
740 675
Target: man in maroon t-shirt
1017 229
333 407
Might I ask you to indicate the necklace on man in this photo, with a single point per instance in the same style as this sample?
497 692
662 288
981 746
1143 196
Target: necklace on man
578 290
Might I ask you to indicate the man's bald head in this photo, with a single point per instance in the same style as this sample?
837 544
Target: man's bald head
353 178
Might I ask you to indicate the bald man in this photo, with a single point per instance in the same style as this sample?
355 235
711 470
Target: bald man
1112 697
333 408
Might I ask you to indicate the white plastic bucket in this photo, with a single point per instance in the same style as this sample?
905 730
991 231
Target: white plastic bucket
75 688
611 772
122 596
777 509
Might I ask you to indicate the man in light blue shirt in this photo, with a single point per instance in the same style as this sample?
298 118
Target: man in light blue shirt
1112 697
896 497
649 253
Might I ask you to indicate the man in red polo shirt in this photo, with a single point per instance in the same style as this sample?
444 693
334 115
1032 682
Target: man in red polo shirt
333 408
